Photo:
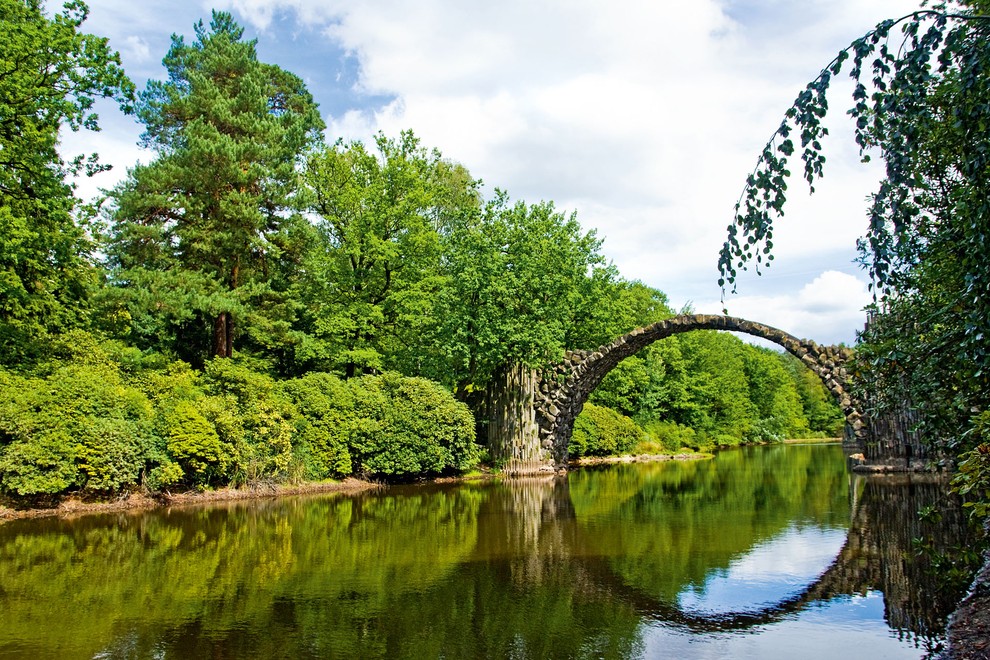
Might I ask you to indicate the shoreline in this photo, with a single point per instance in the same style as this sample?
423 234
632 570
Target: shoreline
72 507
586 461
811 441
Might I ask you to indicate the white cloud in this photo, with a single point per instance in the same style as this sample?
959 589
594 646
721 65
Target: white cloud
833 293
137 49
116 145
828 309
769 572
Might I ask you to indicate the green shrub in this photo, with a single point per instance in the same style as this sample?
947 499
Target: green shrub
110 422
223 413
81 426
725 440
176 381
972 478
406 426
42 463
324 424
194 444
18 397
600 431
166 474
112 452
82 423
203 439
672 436
265 416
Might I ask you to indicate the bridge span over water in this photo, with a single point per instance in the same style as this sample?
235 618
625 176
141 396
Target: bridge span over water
531 413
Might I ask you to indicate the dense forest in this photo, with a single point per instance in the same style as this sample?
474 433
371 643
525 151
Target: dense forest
260 303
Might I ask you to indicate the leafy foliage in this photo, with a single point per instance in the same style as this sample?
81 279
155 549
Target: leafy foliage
372 285
79 426
516 275
262 426
922 100
323 427
193 442
409 426
890 115
600 431
671 437
973 479
51 73
90 421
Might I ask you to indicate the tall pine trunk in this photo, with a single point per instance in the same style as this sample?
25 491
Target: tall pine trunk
223 324
223 339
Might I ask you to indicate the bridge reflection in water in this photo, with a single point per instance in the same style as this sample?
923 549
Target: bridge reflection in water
625 561
887 549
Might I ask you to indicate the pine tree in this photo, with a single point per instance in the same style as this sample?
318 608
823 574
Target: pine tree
195 233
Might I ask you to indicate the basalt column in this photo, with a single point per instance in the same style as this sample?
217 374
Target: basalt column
513 434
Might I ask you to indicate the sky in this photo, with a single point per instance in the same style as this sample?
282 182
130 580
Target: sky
642 116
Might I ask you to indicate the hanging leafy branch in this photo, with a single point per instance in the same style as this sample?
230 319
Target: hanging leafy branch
921 99
888 107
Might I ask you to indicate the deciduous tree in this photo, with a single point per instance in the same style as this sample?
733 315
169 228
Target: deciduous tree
51 73
372 283
515 277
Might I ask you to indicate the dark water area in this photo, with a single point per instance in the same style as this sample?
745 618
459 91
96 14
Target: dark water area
769 552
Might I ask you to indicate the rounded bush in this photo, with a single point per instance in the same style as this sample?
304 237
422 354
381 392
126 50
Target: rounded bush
600 431
81 426
407 426
194 444
324 424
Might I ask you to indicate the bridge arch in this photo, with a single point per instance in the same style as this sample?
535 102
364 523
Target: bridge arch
561 392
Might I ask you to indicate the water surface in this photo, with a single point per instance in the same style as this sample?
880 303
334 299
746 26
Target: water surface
760 553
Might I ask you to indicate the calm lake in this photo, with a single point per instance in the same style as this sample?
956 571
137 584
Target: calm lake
768 552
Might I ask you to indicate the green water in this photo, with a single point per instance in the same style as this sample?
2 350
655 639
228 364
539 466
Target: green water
764 553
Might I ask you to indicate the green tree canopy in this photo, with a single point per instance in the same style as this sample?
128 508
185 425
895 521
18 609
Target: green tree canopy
372 283
51 74
516 274
194 232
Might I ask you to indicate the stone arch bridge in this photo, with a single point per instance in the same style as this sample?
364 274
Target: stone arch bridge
531 414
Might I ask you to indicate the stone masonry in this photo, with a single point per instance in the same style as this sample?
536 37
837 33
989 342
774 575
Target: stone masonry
562 390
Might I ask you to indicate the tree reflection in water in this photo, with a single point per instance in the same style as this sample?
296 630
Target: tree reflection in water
593 564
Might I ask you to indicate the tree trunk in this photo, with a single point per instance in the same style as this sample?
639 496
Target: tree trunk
223 324
223 344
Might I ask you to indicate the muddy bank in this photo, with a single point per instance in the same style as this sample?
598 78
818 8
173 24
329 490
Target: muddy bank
637 458
71 507
968 631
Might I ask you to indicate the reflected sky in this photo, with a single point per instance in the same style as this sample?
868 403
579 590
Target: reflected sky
845 627
751 555
771 572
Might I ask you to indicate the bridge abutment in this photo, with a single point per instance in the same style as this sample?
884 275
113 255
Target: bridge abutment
514 439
